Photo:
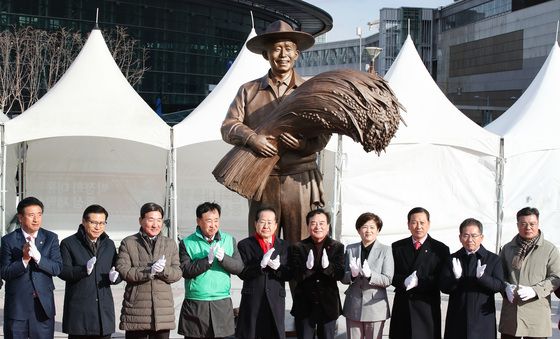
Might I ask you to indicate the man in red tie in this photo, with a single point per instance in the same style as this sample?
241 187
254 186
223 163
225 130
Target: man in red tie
418 263
30 257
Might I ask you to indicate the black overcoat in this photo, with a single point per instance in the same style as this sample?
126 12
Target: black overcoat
471 312
416 312
318 285
261 283
88 301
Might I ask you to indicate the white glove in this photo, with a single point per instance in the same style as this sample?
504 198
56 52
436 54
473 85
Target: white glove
34 252
274 264
113 274
366 271
219 252
411 281
89 265
310 260
354 268
510 292
159 265
457 269
325 259
526 292
480 269
266 257
211 254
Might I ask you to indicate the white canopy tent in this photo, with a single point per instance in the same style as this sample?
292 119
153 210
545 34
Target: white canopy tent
440 160
198 147
531 148
91 139
8 199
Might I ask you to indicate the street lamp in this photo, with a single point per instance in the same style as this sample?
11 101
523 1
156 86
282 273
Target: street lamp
359 34
373 52
486 113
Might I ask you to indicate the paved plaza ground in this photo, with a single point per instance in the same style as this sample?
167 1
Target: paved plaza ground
178 292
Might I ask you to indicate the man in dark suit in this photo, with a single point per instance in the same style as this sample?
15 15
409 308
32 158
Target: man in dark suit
263 297
30 257
317 263
418 263
89 271
471 277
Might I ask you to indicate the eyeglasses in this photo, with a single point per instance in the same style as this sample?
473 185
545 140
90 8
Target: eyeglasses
526 224
97 223
474 236
157 220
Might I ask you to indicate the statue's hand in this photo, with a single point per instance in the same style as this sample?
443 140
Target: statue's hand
292 142
261 145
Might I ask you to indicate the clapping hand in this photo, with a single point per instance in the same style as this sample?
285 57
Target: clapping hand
510 292
158 266
34 252
211 254
366 270
89 265
526 292
274 264
354 268
310 260
325 259
411 281
219 252
113 274
480 269
266 257
457 269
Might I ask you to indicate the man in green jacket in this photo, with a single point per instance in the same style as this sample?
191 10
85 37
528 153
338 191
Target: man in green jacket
208 258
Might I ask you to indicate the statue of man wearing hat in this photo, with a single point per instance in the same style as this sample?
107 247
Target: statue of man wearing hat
294 187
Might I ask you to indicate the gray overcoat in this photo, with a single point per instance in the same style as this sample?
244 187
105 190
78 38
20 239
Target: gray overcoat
366 299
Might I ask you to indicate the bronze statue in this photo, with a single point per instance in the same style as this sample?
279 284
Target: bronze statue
278 123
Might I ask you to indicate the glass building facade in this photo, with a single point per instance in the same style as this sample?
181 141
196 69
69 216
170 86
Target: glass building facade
190 44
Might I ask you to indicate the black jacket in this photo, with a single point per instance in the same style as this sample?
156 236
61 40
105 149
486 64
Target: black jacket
416 312
88 301
261 283
318 286
471 312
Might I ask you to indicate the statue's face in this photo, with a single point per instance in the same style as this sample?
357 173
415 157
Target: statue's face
282 56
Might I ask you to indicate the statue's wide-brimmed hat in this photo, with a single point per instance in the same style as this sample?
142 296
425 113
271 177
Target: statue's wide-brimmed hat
277 31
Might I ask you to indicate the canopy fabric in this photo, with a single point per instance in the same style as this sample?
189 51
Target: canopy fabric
531 124
532 152
431 117
440 160
92 98
68 174
203 124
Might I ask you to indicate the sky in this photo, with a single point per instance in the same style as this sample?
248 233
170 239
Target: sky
349 14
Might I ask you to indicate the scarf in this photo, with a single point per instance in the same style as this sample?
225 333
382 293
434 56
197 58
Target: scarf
263 244
525 246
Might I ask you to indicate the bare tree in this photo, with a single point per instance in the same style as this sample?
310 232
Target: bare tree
33 60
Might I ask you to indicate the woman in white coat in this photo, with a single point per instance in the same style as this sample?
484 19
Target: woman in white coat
369 270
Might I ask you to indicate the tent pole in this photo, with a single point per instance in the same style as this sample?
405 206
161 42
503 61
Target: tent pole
3 181
337 187
173 189
500 162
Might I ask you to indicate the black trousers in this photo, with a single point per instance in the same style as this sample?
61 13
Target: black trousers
147 334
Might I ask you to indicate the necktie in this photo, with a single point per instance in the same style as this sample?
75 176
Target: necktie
417 245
